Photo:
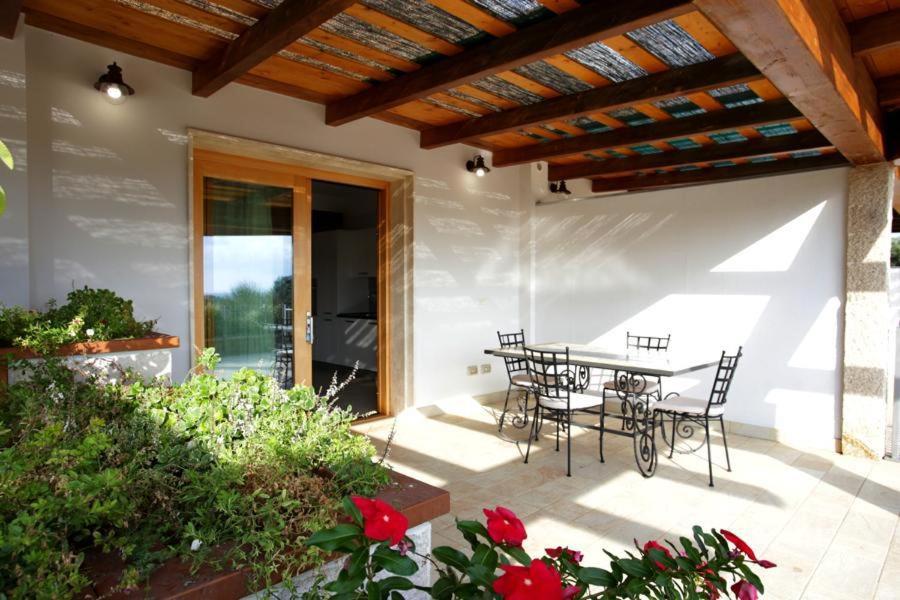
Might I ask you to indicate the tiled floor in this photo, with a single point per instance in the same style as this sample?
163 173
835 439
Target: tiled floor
830 522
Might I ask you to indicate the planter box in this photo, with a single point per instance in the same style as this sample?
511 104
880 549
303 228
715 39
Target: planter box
150 356
419 501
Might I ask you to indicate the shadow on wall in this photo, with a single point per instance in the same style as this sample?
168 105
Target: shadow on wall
717 267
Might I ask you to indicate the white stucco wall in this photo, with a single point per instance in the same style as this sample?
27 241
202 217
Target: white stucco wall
755 263
107 200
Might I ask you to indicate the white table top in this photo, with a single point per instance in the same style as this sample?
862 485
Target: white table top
647 362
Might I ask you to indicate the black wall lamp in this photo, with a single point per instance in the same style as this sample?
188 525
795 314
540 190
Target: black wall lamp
112 86
477 166
559 187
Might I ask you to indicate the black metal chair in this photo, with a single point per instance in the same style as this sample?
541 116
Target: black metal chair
559 388
650 388
518 376
700 411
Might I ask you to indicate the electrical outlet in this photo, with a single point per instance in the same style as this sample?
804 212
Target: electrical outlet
473 369
486 368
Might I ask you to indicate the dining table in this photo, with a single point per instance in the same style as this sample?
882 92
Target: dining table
632 369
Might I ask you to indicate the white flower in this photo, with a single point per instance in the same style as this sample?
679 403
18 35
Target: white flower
90 332
195 545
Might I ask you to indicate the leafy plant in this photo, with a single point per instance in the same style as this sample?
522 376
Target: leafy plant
88 314
6 158
696 568
232 472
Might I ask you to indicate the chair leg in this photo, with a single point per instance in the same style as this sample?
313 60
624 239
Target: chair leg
602 427
708 450
725 442
558 419
532 435
569 444
505 406
674 427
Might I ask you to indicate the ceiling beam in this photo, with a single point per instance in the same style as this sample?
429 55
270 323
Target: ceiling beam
651 88
805 140
878 32
717 175
290 20
803 49
9 17
559 34
754 115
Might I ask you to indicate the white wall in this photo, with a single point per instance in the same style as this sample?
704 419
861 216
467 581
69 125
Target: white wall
108 201
755 263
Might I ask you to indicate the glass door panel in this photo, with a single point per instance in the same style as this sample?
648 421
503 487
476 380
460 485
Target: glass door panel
248 275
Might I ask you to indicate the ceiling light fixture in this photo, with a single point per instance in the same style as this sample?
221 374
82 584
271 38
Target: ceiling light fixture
112 86
477 166
559 187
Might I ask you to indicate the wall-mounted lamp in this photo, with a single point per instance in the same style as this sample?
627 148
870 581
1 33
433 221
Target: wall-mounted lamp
477 166
112 86
559 187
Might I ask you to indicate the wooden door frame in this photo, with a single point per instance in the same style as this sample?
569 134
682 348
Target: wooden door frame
243 168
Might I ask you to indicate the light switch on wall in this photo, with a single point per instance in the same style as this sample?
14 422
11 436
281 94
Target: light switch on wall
473 369
486 368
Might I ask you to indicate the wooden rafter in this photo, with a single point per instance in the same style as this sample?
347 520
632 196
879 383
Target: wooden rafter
803 48
9 17
286 23
754 115
567 31
805 140
889 91
720 72
717 175
878 32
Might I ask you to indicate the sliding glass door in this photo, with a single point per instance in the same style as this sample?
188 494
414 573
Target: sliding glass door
252 281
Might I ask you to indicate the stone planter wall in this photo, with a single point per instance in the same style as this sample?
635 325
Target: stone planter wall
150 356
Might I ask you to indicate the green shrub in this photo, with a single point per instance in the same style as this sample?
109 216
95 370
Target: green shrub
145 470
88 314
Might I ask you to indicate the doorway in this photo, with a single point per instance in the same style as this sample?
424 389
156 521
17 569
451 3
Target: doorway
288 264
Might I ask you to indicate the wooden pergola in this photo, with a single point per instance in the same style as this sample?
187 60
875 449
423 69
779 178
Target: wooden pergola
633 95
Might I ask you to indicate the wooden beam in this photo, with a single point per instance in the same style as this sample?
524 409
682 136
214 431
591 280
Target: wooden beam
658 86
889 91
754 115
292 19
9 17
805 140
717 175
878 32
570 30
803 48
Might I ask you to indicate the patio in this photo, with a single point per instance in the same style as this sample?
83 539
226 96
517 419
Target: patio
829 521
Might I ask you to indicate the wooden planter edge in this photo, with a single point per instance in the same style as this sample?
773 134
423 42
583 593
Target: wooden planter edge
153 341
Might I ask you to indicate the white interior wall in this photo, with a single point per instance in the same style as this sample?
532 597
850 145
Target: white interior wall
756 263
108 201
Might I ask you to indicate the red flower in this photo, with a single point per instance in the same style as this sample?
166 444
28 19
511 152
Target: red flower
746 549
538 580
570 592
574 555
504 526
381 522
654 545
744 590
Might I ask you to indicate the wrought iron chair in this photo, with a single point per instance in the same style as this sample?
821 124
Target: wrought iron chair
697 410
650 388
518 377
559 387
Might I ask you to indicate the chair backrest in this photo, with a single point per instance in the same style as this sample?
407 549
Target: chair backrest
647 342
516 339
550 372
724 376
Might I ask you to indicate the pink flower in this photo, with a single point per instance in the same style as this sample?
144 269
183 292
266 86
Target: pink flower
570 592
744 590
746 549
504 527
574 555
654 545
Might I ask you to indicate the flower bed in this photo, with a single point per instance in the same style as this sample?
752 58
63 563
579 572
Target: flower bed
229 473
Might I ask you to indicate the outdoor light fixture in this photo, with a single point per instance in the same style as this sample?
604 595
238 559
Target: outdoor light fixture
111 85
559 187
477 166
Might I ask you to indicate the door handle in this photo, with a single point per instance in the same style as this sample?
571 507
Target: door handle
310 330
